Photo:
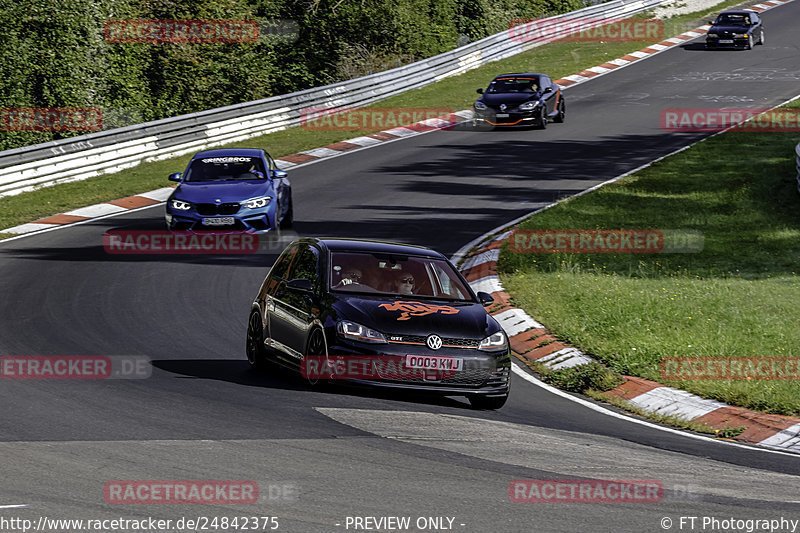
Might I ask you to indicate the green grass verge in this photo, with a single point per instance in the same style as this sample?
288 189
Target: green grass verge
557 59
738 297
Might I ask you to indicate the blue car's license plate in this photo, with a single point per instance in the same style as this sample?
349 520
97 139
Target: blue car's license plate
726 41
218 221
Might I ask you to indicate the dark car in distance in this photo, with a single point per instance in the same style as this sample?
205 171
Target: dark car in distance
735 29
405 309
230 190
520 100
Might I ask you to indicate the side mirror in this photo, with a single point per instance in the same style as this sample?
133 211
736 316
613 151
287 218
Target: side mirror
548 90
300 285
175 176
479 91
279 174
710 22
485 298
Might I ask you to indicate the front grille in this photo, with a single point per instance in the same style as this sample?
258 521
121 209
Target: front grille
469 376
447 342
217 209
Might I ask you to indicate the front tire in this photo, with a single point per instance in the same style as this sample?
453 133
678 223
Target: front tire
542 117
761 38
288 218
562 111
479 401
316 348
256 355
749 45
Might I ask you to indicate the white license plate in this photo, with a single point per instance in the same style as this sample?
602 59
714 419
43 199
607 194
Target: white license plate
502 115
429 362
219 221
726 41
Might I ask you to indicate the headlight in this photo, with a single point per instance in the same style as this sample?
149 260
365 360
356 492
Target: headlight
740 35
357 332
494 342
480 105
255 203
181 205
527 106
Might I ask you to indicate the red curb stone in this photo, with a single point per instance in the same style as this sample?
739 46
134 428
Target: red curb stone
298 158
481 271
343 146
667 43
632 387
542 351
630 57
420 127
132 202
759 425
61 219
565 83
588 73
610 65
383 136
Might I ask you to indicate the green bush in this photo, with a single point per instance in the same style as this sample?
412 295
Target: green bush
593 376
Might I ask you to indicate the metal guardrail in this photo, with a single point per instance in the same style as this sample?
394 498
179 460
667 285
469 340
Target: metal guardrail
78 158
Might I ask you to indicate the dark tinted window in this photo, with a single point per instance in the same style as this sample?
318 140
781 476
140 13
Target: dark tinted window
306 266
396 275
280 269
226 168
734 19
525 84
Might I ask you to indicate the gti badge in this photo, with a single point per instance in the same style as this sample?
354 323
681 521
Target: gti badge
218 200
434 342
503 107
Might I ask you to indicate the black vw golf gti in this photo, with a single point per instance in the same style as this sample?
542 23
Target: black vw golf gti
382 314
735 29
520 100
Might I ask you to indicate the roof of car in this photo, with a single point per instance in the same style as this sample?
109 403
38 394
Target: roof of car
519 75
220 152
363 245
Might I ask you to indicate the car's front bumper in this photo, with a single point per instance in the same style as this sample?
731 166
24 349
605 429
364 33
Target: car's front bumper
513 119
738 42
246 221
484 373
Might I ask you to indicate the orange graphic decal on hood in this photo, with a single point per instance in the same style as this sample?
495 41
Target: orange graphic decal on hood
410 309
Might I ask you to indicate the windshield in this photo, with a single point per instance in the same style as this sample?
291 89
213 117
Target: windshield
733 19
226 168
514 85
396 275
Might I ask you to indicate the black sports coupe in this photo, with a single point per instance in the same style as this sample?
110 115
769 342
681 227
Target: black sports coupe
735 29
520 100
381 314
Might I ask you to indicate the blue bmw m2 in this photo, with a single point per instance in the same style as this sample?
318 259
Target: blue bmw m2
230 190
